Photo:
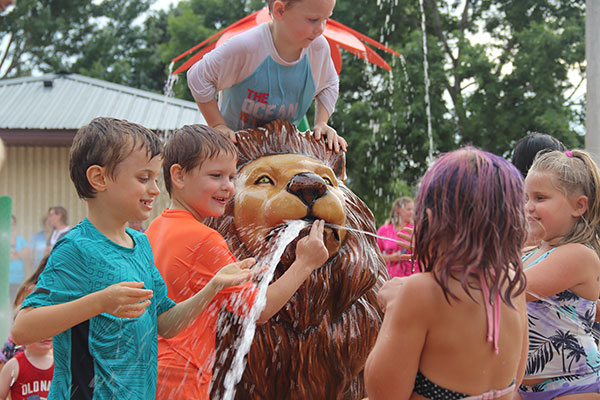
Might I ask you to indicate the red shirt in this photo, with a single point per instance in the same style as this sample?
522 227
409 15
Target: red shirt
31 380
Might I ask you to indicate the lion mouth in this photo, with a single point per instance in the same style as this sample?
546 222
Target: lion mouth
305 231
331 238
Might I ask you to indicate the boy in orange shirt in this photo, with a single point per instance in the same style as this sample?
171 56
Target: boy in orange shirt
199 169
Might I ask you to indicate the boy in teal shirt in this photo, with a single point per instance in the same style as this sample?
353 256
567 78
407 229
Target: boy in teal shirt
100 295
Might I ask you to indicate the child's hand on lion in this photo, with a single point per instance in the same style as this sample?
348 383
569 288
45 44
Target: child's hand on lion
311 249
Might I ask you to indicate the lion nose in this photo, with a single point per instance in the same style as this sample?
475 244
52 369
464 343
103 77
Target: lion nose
307 186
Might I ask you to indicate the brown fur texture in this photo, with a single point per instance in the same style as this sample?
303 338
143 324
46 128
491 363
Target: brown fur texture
316 346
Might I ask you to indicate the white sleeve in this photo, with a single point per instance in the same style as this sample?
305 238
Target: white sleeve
327 80
226 65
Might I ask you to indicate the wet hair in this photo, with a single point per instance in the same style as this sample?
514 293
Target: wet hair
529 146
107 142
59 210
29 283
190 146
287 3
477 222
575 173
400 202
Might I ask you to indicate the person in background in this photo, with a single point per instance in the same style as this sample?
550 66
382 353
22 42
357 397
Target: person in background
529 146
28 375
19 260
58 220
38 241
401 218
10 349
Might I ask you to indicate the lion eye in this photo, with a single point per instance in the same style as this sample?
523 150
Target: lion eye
264 180
328 181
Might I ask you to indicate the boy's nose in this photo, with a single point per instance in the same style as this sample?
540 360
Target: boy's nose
321 28
154 188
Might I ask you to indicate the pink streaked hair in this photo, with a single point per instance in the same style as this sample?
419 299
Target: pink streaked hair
477 222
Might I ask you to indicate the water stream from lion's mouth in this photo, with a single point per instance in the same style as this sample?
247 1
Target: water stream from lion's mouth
244 341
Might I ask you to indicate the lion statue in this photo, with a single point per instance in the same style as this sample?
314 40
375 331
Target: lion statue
316 346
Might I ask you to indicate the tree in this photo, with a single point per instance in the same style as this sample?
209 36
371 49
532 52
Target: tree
101 40
486 94
193 21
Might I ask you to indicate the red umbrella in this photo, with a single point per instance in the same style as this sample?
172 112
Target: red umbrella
337 34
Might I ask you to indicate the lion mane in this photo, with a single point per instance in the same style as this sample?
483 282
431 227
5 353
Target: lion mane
316 346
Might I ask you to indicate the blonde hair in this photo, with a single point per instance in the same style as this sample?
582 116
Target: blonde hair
576 173
399 203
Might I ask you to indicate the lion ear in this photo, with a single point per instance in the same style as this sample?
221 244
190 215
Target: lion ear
339 166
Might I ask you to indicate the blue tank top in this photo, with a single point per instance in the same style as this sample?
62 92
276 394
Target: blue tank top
272 91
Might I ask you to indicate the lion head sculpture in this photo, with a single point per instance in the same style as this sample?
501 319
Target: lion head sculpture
316 346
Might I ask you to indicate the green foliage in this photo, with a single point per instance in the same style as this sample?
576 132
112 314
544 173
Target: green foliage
485 93
193 21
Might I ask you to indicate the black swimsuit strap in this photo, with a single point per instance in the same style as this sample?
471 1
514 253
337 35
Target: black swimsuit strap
432 391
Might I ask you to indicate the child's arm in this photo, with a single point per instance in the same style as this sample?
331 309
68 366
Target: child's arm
172 321
401 337
212 115
522 307
572 266
321 129
311 253
7 375
123 300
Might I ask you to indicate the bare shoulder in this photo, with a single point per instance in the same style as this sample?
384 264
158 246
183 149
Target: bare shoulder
576 255
414 294
10 369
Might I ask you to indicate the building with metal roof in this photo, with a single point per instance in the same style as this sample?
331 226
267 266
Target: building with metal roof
39 117
49 109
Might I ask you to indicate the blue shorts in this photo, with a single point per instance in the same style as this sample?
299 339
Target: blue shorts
561 386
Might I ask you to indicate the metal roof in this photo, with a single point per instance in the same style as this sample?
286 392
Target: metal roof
69 101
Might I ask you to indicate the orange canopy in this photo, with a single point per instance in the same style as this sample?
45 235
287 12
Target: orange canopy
337 35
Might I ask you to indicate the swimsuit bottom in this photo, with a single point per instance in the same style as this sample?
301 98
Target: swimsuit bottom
561 386
432 391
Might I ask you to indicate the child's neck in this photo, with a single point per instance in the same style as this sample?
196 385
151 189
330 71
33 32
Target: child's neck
109 225
41 359
546 245
177 204
286 51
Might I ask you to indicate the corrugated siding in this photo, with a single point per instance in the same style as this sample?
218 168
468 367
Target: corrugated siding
37 178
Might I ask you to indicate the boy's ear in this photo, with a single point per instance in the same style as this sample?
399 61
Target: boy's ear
96 176
278 9
580 206
177 174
